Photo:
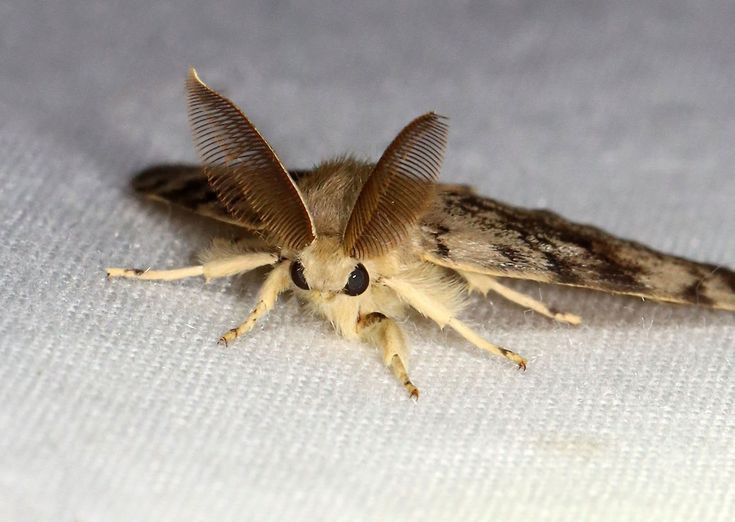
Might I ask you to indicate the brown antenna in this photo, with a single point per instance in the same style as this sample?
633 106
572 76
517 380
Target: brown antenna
242 168
399 189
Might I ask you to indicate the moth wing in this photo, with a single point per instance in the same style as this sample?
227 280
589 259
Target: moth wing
468 232
187 187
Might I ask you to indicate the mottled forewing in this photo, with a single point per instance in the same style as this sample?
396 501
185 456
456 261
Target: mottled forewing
472 233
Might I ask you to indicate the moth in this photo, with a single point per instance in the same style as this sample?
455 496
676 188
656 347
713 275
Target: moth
361 244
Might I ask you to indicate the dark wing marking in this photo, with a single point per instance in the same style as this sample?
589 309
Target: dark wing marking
468 232
187 187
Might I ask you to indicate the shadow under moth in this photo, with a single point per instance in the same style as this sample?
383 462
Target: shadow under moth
362 243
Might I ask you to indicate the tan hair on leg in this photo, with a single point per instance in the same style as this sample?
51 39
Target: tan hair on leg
382 332
484 283
440 314
210 270
278 281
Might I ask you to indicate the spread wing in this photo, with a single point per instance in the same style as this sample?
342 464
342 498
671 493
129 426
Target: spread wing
468 232
187 187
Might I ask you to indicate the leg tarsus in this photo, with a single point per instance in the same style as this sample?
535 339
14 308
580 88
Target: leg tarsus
155 275
277 281
444 316
399 370
233 333
484 283
228 337
382 332
472 336
213 269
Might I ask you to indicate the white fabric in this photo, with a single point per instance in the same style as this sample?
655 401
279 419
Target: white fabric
115 401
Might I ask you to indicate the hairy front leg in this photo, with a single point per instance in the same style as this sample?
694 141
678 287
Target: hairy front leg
382 332
278 281
215 268
443 316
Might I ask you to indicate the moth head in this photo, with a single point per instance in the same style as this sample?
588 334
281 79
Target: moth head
391 201
248 178
322 268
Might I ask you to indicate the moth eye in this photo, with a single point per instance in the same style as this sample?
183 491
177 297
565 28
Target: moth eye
297 275
358 281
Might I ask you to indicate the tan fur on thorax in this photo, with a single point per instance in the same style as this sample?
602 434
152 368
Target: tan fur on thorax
331 190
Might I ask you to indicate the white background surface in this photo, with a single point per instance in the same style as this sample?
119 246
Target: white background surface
116 403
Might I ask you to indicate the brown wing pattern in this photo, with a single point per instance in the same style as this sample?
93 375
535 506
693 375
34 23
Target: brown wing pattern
472 233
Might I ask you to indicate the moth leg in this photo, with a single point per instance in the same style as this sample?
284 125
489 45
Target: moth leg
443 316
484 283
222 267
278 280
476 339
382 332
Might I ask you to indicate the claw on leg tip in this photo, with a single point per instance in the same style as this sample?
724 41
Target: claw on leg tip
413 392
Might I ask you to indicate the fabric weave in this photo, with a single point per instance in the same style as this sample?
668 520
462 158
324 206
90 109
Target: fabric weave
115 401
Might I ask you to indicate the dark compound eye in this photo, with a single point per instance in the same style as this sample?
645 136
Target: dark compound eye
358 281
297 275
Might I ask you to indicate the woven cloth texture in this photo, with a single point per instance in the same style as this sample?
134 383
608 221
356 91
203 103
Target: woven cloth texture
116 403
